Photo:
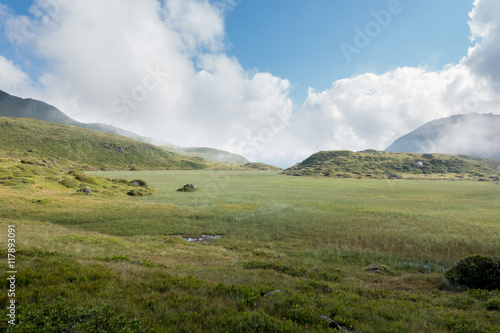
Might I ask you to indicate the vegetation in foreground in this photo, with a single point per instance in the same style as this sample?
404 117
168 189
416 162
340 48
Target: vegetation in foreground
368 254
374 164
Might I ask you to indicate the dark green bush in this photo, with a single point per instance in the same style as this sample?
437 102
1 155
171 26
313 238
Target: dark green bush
139 192
69 182
494 304
84 178
477 272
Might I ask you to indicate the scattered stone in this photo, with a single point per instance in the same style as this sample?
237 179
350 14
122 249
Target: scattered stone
331 323
188 188
202 239
394 176
136 262
420 164
377 269
139 183
85 190
271 293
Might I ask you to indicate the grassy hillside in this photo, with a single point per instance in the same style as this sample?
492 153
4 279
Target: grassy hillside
52 178
381 164
12 106
210 154
42 142
292 249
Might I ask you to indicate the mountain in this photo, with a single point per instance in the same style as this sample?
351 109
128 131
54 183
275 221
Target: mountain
12 106
39 141
471 134
381 164
210 154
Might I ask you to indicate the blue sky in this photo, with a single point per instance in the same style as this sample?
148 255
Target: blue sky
299 40
238 79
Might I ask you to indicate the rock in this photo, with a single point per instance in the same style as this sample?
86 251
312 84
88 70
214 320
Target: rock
331 323
377 269
85 190
188 188
272 292
139 183
394 176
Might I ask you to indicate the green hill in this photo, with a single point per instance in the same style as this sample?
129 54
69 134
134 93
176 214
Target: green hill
12 106
381 164
36 140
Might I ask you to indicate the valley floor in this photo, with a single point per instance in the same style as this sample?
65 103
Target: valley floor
369 254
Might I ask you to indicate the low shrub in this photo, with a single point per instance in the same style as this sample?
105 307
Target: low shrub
477 272
69 182
139 192
494 304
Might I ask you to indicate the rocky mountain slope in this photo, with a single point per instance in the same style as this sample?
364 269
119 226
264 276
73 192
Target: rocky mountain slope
471 134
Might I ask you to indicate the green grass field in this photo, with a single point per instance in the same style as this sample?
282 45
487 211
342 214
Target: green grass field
115 263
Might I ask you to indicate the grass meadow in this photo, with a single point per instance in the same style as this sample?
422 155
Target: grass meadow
122 264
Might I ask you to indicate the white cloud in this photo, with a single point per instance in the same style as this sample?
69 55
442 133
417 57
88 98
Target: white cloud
370 111
485 29
12 78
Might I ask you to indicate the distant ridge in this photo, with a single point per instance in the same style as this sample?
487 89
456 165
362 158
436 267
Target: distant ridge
210 154
16 107
471 134
381 164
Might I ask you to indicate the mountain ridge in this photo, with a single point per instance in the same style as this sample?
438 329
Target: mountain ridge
17 107
470 134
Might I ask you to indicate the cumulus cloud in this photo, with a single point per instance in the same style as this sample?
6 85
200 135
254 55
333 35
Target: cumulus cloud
370 111
12 78
160 68
157 68
485 30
